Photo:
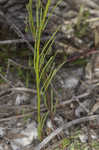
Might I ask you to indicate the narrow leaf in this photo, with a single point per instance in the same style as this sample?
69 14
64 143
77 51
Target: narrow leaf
49 62
51 13
52 75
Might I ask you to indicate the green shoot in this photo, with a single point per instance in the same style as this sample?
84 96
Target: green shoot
44 68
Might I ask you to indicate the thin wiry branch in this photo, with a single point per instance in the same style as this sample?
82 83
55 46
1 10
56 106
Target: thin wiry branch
20 34
6 80
12 62
12 41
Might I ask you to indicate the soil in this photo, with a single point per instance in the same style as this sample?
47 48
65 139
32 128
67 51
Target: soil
75 86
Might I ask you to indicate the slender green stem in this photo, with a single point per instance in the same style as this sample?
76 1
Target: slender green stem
39 58
38 86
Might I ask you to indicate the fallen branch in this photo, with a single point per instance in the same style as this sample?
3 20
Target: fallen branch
20 89
16 117
73 99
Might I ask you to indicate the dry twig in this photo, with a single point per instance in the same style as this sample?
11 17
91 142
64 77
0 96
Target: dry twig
12 41
20 34
6 80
